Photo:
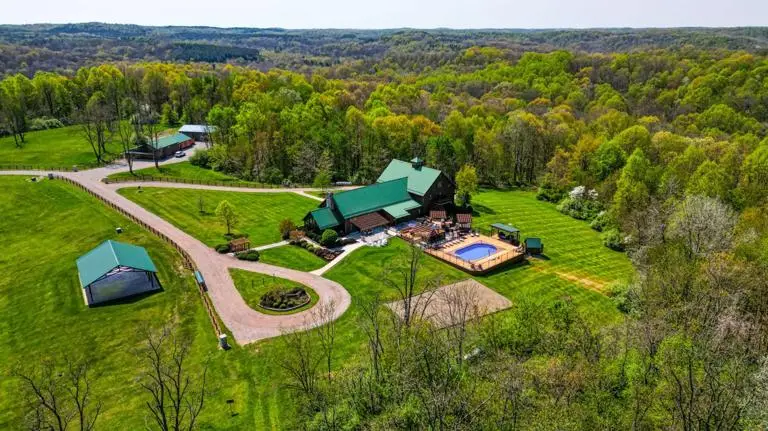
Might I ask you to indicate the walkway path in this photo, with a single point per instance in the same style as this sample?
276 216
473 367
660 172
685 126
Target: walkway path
349 248
268 246
247 325
309 195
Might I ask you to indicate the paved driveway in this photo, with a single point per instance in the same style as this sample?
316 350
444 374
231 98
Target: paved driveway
246 324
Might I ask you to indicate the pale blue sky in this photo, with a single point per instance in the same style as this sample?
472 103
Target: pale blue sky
394 13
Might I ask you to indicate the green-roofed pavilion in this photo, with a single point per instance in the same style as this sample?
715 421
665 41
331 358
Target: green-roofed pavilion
115 270
506 232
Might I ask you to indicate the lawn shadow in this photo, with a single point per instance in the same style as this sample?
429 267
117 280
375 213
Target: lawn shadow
540 257
507 267
128 299
478 209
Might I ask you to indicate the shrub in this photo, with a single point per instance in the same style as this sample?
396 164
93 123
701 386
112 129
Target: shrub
549 193
222 248
624 296
271 175
612 239
201 159
285 227
581 204
329 238
284 299
44 123
251 255
602 221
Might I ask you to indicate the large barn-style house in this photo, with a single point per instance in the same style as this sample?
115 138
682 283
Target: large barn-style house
405 190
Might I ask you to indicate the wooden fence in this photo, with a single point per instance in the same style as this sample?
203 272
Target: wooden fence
186 259
151 178
72 168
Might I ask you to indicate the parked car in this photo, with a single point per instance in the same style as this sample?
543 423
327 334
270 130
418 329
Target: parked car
180 154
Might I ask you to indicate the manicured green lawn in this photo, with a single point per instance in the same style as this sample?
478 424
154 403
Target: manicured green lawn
42 312
291 256
55 148
259 213
572 250
187 171
46 226
252 285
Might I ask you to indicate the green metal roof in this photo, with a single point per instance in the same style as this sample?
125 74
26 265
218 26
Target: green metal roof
419 180
533 242
167 141
505 227
325 218
109 255
371 198
400 210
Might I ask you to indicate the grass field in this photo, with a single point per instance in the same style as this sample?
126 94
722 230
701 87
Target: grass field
186 171
45 227
291 256
259 213
573 251
42 311
253 285
55 148
575 263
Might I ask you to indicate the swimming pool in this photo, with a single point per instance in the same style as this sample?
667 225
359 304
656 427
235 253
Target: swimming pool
476 251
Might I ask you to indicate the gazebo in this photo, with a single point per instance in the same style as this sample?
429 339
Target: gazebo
239 244
506 232
464 221
115 270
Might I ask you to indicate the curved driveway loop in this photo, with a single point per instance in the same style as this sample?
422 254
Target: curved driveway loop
246 324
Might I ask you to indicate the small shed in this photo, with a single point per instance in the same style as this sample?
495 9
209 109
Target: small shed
115 270
534 245
506 232
198 132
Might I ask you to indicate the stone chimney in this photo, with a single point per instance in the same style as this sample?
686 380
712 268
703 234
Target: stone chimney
329 202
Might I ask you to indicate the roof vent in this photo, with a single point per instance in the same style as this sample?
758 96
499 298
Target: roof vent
417 163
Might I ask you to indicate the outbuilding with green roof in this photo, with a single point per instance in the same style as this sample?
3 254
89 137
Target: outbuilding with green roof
115 270
165 146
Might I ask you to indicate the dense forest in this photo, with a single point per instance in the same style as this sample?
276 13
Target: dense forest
662 150
67 47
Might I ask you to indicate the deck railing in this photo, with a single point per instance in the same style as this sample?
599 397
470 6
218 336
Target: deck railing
494 261
487 265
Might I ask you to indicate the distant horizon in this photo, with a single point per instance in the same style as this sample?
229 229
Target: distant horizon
394 28
397 14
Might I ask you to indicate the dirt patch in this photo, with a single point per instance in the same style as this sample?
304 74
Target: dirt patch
588 283
454 303
597 286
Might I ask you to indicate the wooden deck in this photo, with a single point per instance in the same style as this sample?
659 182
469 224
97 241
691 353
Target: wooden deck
507 254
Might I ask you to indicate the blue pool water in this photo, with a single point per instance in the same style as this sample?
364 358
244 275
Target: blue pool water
475 251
